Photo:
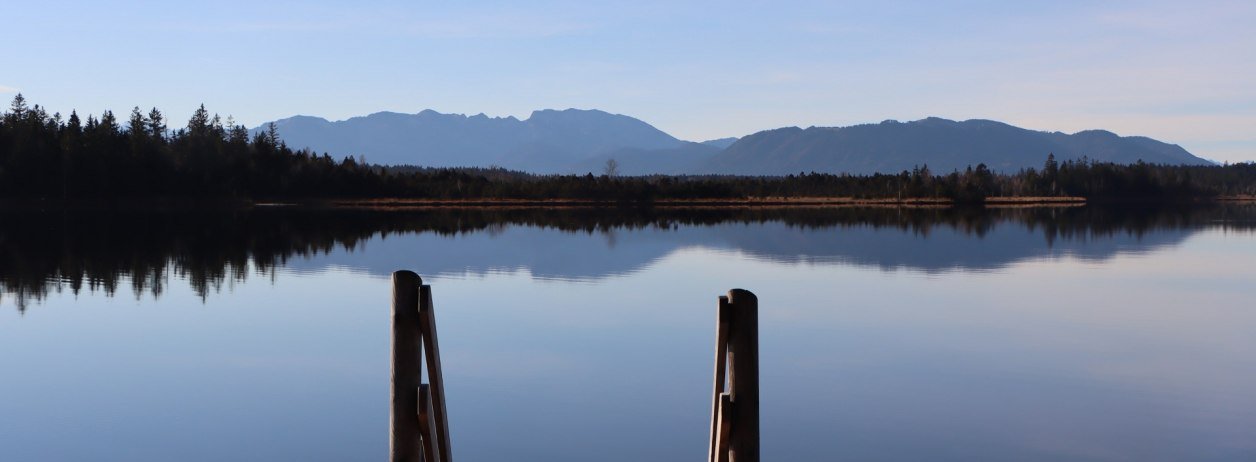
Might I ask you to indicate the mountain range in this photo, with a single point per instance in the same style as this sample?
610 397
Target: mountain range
580 141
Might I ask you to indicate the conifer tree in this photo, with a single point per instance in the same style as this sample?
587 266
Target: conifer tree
136 125
156 125
198 125
17 109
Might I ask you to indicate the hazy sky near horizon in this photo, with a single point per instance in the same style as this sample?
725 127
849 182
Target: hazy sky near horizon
1176 71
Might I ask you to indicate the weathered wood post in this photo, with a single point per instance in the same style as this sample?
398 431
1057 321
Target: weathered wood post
418 424
403 434
735 407
438 434
427 425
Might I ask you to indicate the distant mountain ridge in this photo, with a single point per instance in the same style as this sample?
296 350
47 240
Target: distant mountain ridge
580 141
944 145
548 141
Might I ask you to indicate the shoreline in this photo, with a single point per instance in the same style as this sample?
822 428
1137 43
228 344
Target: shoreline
177 205
402 203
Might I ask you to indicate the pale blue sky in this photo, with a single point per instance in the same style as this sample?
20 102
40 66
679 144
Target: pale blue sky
1182 72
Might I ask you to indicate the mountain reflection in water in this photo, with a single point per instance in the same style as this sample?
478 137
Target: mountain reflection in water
42 252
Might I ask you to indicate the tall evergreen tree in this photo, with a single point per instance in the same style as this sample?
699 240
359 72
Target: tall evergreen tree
198 125
108 123
17 109
156 125
137 126
272 134
74 125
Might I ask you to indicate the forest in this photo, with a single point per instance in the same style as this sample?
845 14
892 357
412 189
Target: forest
65 158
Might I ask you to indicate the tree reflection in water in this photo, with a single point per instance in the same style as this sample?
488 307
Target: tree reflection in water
43 252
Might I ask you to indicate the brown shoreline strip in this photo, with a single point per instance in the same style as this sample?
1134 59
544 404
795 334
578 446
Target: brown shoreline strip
767 201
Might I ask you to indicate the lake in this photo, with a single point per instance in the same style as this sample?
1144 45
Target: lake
1071 333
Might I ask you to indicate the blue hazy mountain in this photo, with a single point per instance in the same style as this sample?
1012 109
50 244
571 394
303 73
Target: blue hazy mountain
721 142
581 141
944 145
686 158
548 141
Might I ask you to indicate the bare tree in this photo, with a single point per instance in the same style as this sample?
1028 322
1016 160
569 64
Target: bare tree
611 168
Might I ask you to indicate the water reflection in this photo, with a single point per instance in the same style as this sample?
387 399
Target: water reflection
887 334
45 252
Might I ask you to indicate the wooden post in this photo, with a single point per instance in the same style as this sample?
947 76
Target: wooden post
427 426
403 429
735 407
743 377
723 319
723 428
431 347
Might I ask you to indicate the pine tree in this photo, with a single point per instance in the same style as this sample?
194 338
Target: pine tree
136 125
18 108
198 125
74 125
108 123
272 134
156 125
1051 174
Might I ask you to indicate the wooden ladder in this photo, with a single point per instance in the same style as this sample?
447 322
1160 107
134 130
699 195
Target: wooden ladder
418 424
735 407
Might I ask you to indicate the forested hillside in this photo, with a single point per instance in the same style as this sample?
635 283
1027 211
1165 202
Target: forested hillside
51 157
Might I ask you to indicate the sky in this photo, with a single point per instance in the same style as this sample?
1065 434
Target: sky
1180 72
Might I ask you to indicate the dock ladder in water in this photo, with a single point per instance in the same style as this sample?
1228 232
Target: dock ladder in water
419 426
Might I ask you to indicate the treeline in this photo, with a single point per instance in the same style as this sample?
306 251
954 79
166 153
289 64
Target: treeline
51 157
45 156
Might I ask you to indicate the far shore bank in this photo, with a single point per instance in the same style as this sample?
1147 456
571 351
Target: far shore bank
177 205
400 203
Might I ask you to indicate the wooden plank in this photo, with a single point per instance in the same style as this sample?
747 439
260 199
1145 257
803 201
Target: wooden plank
724 432
744 375
427 425
403 428
435 377
722 319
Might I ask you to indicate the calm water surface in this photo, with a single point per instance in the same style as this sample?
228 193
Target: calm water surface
1028 334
